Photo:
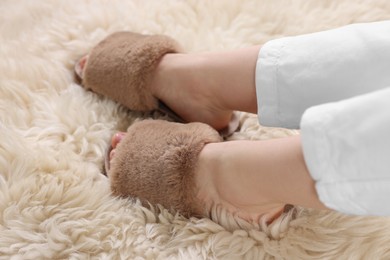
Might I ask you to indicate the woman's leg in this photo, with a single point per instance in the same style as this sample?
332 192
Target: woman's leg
281 80
288 76
252 178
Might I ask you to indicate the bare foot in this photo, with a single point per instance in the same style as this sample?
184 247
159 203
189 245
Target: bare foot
231 197
182 83
115 140
221 185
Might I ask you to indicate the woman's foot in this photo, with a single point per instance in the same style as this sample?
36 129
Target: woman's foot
203 87
214 191
184 86
228 186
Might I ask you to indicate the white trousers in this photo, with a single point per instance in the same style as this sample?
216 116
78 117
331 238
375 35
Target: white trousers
335 86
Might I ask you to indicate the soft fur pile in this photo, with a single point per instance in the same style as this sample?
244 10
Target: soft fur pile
54 201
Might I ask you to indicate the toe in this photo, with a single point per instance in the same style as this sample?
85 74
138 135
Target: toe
79 68
116 139
112 154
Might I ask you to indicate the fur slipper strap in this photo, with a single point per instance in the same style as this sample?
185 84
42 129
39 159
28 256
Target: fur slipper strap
156 162
122 65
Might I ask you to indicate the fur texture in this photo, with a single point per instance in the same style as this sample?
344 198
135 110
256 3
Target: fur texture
156 162
121 66
54 201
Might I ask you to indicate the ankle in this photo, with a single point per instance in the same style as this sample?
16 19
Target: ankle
206 167
177 70
162 74
221 182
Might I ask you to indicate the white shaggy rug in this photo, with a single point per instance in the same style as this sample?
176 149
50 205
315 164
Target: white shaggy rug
54 201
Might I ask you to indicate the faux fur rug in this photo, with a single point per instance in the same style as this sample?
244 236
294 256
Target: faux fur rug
54 201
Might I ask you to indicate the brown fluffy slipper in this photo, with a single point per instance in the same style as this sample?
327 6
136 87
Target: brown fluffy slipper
156 161
121 67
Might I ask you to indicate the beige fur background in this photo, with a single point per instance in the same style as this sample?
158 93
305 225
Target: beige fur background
54 202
